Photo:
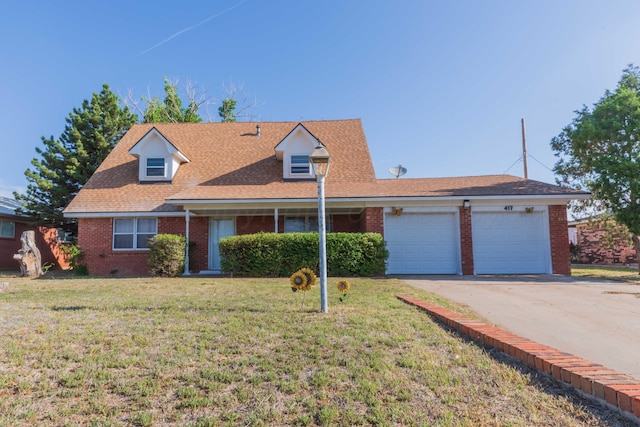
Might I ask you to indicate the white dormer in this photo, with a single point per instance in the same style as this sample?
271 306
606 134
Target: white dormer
158 159
294 151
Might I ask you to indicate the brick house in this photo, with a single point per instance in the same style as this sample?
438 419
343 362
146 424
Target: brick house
592 247
12 226
211 180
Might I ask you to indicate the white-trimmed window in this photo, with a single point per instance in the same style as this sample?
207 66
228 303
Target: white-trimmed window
302 224
155 167
300 164
133 233
7 229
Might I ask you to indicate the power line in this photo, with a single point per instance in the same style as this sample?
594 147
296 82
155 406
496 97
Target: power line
512 165
545 166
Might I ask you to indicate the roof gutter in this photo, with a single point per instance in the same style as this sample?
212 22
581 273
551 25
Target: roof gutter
378 199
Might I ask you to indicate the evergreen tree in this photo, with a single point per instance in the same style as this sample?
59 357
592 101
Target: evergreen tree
170 110
68 162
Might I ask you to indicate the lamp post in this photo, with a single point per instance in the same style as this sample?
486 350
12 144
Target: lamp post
320 159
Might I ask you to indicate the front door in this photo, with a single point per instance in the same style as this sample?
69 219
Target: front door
218 228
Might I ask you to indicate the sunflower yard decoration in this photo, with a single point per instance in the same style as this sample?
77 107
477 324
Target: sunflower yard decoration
343 287
311 278
302 280
298 281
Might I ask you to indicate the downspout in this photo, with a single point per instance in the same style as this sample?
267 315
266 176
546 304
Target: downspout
186 249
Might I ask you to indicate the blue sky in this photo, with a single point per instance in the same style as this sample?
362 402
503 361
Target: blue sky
440 86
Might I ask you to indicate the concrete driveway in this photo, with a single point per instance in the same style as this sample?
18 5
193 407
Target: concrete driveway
593 319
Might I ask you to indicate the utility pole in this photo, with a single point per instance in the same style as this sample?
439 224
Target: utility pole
524 150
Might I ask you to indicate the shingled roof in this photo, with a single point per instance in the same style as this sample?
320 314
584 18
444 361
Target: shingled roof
230 162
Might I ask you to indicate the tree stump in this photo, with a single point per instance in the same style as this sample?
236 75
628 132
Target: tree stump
29 256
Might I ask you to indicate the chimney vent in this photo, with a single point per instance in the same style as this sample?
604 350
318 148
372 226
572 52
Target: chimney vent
257 130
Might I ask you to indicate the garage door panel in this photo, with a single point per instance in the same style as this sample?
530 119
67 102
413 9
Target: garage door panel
422 244
510 243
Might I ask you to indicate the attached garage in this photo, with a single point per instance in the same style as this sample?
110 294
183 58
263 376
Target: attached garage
511 242
422 243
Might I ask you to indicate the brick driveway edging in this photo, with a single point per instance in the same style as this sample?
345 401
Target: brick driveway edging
615 389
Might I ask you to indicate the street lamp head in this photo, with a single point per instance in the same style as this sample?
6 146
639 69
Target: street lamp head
320 159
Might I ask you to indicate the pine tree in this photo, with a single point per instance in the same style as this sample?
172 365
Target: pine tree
67 163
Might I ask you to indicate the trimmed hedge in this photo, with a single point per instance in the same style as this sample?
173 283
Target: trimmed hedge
279 255
166 255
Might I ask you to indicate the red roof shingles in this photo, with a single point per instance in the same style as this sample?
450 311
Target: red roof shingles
230 162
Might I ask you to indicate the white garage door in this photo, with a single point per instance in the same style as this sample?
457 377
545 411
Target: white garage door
422 243
510 243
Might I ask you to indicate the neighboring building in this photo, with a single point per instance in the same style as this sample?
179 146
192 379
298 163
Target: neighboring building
591 246
12 226
210 180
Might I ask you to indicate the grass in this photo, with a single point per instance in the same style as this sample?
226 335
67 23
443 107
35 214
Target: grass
619 273
222 352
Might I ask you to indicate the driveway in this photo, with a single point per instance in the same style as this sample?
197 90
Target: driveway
593 319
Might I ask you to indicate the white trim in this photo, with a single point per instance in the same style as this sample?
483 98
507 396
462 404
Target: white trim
379 200
384 202
508 208
425 209
187 261
275 219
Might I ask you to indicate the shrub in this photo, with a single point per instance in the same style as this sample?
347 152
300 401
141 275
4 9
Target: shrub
166 255
278 255
75 256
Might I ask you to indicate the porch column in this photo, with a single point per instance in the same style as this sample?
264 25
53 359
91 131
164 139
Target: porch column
275 218
186 249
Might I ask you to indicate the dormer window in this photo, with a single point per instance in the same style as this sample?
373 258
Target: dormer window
159 159
300 164
294 150
155 167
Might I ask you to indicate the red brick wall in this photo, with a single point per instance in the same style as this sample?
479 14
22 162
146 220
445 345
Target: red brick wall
559 236
345 223
50 249
466 241
95 240
199 235
46 242
373 220
10 246
593 250
255 224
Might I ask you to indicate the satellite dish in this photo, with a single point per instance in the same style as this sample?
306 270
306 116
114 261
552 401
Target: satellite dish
397 171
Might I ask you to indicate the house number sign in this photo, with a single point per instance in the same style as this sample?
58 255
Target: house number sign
508 208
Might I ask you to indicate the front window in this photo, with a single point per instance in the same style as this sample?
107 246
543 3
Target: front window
155 166
7 229
133 233
300 165
302 224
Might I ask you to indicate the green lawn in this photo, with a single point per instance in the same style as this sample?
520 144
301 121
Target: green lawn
217 352
624 274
